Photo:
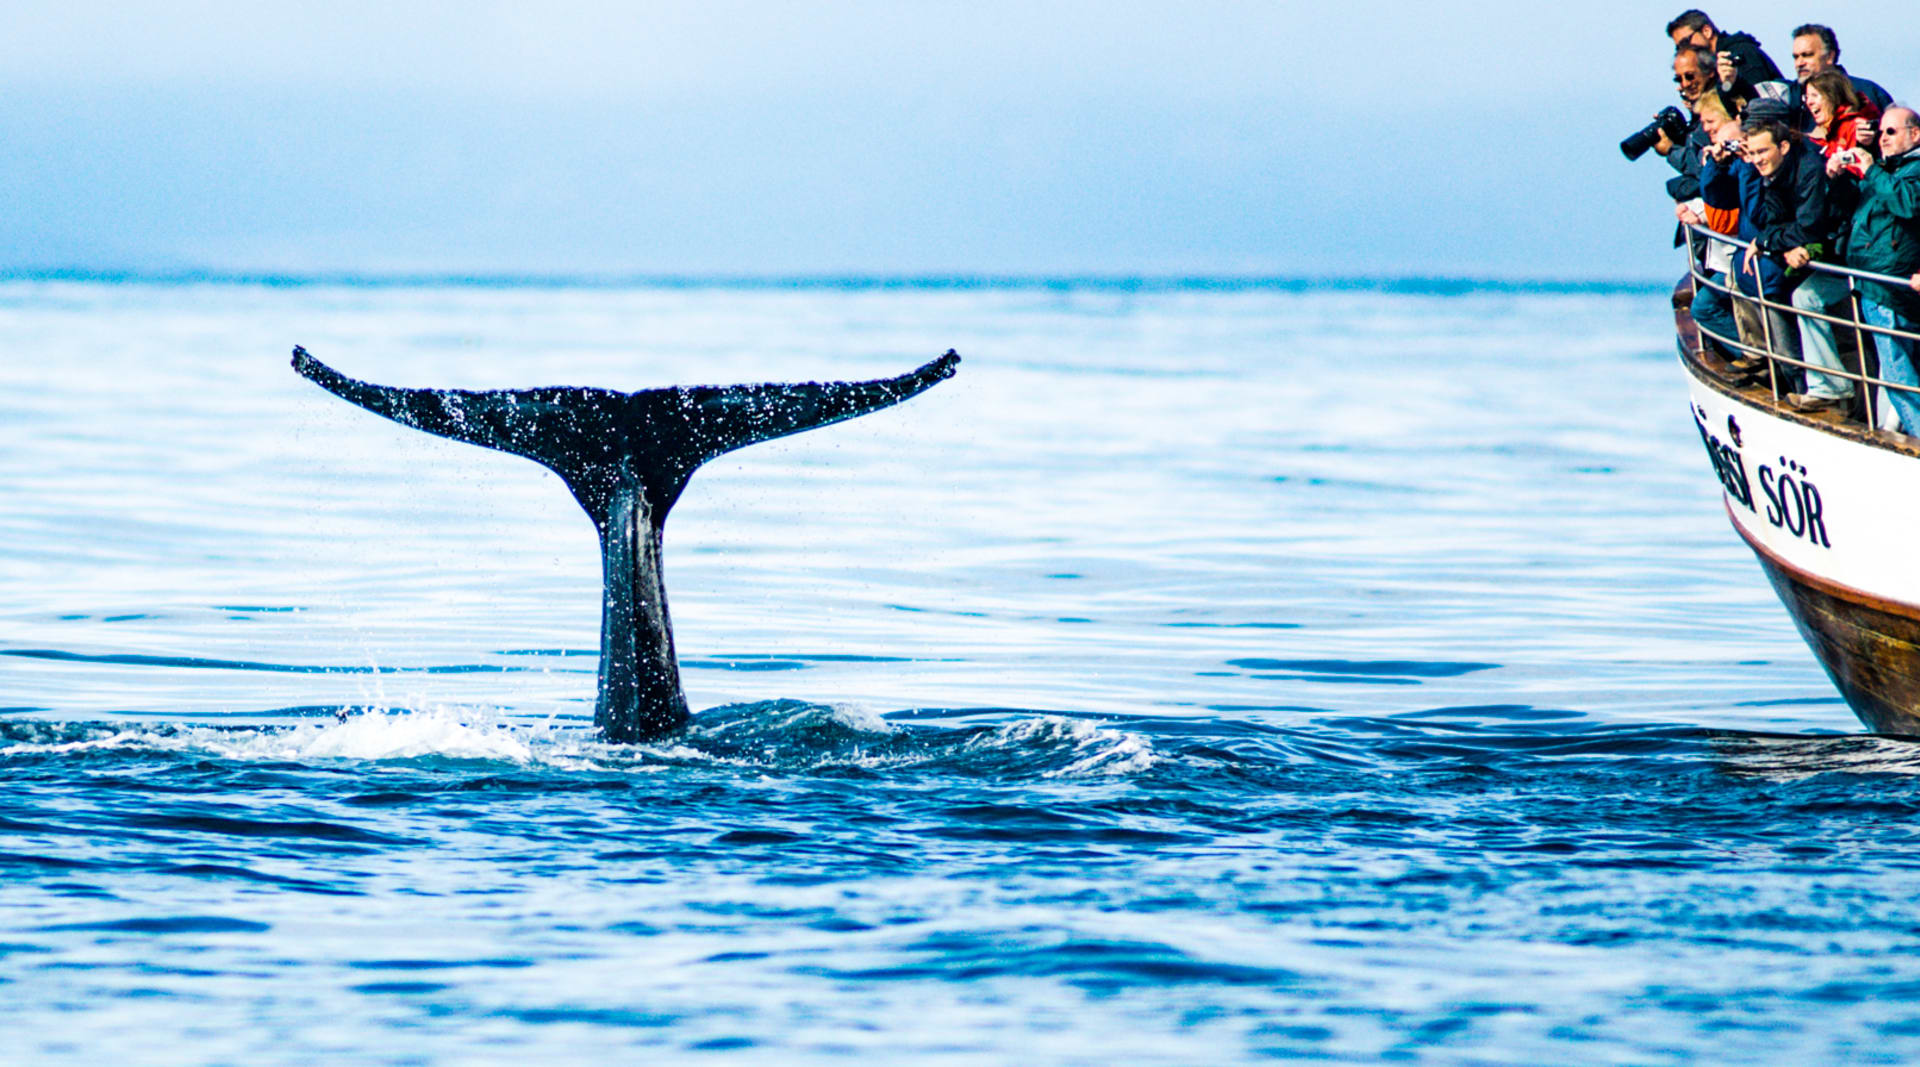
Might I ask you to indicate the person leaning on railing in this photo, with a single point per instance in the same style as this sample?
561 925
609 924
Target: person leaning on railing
1786 215
1795 228
1729 198
1883 236
1840 117
1717 209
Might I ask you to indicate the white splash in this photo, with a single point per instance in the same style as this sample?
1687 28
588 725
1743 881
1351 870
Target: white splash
861 718
454 733
1096 749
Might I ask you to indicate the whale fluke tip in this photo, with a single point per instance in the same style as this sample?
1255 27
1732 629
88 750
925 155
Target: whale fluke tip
302 362
944 366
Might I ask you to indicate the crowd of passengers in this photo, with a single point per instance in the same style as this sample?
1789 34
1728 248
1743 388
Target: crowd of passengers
1822 168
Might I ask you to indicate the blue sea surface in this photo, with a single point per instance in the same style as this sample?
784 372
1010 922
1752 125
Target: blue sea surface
1207 673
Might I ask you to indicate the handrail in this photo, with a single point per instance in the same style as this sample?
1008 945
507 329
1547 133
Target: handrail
1771 352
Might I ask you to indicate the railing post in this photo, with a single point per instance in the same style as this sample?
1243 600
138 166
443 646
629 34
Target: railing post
1766 333
1694 262
1860 341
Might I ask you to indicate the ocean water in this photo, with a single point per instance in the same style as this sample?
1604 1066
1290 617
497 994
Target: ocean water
1204 674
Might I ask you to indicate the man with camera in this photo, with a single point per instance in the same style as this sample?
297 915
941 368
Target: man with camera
1730 191
1676 136
1793 228
1728 198
1738 56
1883 237
1785 216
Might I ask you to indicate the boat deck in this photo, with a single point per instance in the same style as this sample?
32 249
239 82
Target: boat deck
1763 393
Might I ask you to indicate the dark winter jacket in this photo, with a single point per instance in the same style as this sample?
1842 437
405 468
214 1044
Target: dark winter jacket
1884 234
1749 62
1793 208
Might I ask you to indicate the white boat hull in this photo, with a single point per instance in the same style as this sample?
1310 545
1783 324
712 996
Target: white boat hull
1833 513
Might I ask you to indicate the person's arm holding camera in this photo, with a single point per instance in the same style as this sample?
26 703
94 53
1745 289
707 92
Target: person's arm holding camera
1682 155
1728 70
1721 152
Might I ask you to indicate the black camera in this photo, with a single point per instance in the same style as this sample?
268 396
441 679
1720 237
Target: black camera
1669 121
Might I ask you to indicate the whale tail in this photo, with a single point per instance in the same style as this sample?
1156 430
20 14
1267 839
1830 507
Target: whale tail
627 457
596 438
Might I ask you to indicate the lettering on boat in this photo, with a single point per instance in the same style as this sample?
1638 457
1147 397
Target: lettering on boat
1726 459
1793 503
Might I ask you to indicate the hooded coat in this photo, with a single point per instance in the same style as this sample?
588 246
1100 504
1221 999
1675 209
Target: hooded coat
1751 64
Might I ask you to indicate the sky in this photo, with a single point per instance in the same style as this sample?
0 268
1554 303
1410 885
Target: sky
762 138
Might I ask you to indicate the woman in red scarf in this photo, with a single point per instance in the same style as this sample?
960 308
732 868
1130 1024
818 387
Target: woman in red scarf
1842 119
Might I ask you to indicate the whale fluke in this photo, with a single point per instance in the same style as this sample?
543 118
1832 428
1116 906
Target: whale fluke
627 457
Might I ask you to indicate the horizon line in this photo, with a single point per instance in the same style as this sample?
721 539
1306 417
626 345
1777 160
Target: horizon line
1411 284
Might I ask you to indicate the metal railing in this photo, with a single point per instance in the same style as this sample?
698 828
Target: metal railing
1773 313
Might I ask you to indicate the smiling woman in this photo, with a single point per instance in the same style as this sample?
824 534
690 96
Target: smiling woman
1840 115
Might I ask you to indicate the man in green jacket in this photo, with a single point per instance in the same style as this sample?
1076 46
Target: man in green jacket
1884 237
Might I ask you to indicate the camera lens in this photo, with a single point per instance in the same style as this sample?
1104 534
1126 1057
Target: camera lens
1640 140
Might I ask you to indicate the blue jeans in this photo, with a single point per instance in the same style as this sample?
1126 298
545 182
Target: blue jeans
1897 358
1713 314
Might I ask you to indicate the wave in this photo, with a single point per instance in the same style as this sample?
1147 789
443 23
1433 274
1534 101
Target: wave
790 737
787 736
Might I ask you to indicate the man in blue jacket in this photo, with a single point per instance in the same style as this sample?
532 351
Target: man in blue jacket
1782 189
1729 182
1794 228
